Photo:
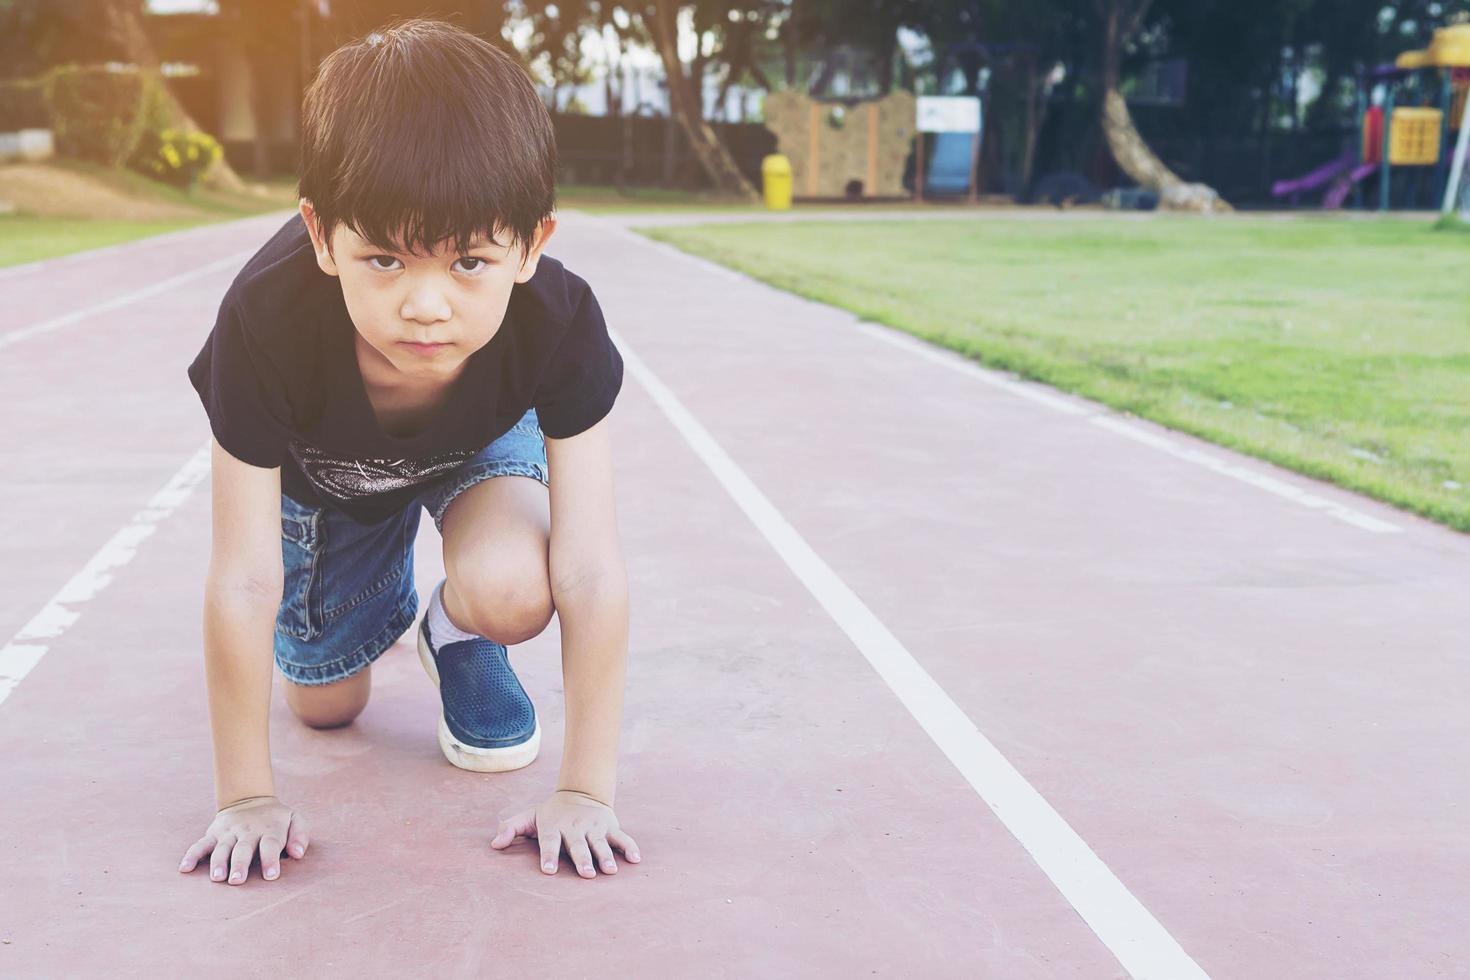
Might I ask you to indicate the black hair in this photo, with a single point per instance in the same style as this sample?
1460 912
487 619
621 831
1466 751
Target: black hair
421 132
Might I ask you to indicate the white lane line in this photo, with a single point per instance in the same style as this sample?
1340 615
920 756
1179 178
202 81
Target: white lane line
1050 397
66 319
20 656
1135 937
1259 480
1110 420
1039 393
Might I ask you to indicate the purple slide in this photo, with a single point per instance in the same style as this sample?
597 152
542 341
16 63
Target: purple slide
1323 175
1338 192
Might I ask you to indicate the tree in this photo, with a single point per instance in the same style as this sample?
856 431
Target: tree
858 35
1120 21
98 30
1023 44
558 28
686 103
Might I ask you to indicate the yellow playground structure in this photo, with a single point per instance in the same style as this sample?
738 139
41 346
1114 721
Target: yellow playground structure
1424 105
1408 113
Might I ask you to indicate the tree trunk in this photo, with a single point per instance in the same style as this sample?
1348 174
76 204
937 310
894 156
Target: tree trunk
613 91
684 106
1036 92
885 66
1133 156
760 77
817 87
788 53
261 69
122 20
737 57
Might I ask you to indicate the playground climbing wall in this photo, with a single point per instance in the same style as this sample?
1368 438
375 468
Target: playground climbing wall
832 143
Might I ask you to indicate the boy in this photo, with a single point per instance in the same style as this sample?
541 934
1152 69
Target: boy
398 344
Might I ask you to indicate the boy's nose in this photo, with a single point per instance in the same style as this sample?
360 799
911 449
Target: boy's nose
425 305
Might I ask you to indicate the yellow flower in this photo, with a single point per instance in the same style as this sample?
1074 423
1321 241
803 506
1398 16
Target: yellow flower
171 155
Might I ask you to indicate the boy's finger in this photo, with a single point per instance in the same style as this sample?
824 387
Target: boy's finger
550 851
621 840
603 853
513 827
196 851
240 856
581 857
270 858
297 839
219 861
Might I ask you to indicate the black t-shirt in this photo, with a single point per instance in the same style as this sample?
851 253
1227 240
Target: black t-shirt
279 379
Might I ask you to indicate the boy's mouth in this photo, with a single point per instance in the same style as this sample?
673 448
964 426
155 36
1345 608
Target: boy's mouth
423 348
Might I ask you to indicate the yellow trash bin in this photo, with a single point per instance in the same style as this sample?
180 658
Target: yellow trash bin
776 180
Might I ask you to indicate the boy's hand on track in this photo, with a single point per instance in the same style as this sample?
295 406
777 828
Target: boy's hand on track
238 831
587 825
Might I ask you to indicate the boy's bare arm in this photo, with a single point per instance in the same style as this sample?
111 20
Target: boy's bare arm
594 662
242 598
590 592
239 628
589 589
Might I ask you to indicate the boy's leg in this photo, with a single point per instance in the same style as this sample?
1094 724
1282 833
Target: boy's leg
496 593
330 705
497 537
348 596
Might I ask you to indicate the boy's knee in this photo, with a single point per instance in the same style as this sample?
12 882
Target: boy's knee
327 719
505 610
509 622
330 705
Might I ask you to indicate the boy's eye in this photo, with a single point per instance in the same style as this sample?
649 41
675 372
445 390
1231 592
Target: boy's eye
481 263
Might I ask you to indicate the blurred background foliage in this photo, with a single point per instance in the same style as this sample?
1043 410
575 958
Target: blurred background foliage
1227 92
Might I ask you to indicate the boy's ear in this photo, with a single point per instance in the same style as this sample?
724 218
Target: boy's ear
538 243
324 258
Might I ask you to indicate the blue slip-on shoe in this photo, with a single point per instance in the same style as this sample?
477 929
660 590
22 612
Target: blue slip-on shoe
488 723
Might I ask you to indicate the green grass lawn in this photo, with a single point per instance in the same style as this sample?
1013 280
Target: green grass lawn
1337 348
29 238
25 238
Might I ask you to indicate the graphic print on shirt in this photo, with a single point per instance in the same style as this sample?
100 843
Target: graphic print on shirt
346 478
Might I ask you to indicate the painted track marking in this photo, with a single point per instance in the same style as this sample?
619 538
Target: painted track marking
1125 927
20 656
66 319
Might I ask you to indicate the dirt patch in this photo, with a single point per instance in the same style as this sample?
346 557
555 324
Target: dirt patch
56 192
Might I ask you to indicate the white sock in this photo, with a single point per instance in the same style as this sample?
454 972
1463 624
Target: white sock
440 628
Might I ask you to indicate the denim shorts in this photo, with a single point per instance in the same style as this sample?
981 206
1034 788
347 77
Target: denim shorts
350 592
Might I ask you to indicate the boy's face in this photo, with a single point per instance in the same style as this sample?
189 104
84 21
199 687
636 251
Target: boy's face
395 300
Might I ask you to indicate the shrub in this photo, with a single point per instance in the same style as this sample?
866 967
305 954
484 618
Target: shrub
175 156
97 111
118 115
